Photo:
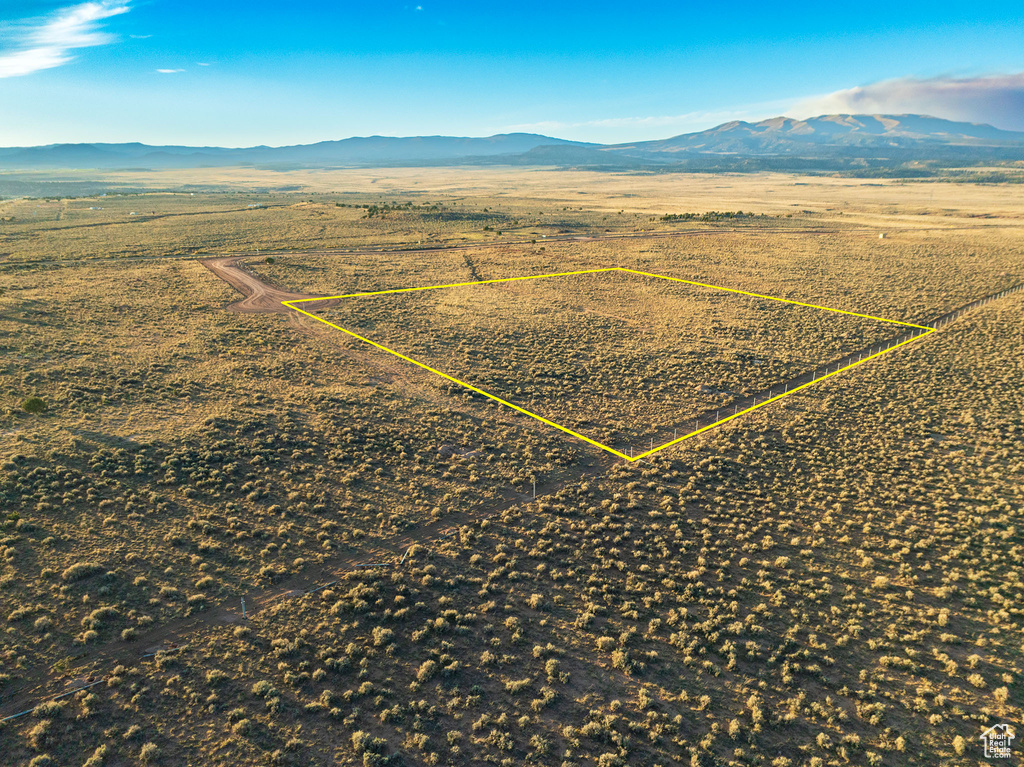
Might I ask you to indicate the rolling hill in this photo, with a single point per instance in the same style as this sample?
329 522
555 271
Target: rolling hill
371 150
827 142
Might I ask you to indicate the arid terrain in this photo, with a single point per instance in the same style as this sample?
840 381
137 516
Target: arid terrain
430 577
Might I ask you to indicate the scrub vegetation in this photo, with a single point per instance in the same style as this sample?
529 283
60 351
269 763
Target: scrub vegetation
835 579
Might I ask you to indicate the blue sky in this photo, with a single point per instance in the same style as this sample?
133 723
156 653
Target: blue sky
231 73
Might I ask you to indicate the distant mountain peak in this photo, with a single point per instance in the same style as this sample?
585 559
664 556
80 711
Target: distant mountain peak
784 134
829 140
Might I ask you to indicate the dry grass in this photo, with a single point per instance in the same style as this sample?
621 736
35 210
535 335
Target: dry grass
835 580
616 356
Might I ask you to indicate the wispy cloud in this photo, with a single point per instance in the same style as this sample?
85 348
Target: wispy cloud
169 71
995 99
50 42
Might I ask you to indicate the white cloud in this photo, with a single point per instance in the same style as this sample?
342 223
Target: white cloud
995 99
49 43
169 71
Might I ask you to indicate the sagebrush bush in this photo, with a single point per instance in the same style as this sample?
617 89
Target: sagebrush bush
34 405
81 571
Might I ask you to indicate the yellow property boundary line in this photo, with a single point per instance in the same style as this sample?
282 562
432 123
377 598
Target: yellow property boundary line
613 451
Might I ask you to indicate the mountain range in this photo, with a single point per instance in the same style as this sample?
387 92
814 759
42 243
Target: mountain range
826 142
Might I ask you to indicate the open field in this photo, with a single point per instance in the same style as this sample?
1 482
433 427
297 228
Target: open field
614 356
834 579
313 209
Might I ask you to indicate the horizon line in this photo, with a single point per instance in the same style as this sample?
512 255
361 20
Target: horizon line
501 134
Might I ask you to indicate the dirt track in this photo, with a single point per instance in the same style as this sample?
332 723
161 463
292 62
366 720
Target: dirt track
260 296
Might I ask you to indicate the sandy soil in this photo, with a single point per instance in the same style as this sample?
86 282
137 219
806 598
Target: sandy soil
260 297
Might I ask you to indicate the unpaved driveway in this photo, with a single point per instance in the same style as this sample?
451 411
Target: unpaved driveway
260 297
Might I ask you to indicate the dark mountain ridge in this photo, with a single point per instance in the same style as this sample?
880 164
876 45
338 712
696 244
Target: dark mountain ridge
363 151
828 141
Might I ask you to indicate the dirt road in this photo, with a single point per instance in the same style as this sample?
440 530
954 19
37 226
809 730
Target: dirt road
260 296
